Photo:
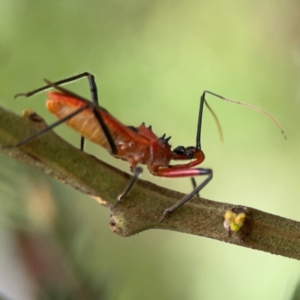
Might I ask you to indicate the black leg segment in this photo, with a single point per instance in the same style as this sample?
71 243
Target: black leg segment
93 105
136 173
202 171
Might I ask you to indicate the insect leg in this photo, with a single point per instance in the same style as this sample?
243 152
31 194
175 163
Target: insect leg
34 136
89 76
136 173
95 99
194 185
94 107
92 84
169 172
96 112
93 89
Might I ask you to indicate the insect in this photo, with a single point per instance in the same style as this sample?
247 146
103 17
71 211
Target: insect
137 145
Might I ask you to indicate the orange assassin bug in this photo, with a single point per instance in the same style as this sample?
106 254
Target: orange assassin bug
137 145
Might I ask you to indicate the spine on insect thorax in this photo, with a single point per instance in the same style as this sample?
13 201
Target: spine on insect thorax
146 148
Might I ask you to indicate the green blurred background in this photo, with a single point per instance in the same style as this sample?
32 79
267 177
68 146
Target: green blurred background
152 60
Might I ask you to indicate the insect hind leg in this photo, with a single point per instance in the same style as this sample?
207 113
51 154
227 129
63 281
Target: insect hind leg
90 77
95 100
94 107
94 95
92 85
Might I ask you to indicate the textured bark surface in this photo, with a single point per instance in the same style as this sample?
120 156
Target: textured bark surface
144 206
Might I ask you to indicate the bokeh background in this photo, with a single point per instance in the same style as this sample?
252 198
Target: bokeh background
152 60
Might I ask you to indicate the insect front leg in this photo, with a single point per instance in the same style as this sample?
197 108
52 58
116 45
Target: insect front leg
187 172
136 173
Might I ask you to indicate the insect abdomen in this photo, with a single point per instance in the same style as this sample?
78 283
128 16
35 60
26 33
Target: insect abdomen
85 122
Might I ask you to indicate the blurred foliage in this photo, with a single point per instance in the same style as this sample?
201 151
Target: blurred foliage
152 60
296 295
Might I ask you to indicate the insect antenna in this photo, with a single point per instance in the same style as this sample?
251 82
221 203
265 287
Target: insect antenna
254 108
203 100
216 120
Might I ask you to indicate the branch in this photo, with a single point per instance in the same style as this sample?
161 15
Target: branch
142 209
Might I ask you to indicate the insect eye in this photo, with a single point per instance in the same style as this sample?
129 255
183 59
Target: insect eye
190 151
179 150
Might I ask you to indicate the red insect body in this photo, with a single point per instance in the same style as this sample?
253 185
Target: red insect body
135 145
